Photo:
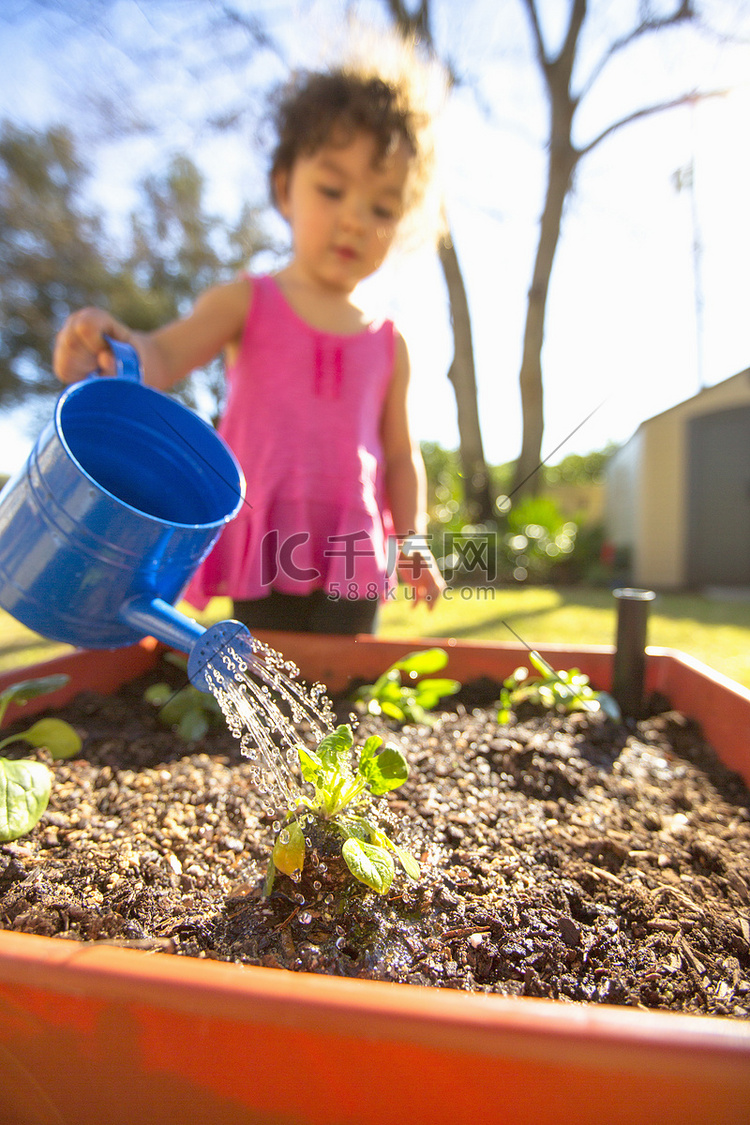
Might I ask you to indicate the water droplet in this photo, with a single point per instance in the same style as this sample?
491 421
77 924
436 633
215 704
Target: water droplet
304 917
266 708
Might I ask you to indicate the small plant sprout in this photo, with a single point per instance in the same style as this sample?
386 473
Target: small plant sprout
408 702
187 711
555 691
25 786
340 800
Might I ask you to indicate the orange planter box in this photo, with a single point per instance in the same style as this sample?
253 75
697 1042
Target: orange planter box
100 1035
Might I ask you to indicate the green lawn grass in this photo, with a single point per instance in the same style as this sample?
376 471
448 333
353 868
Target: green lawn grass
710 629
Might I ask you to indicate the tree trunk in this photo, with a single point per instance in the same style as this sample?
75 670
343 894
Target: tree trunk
480 507
562 157
562 161
478 499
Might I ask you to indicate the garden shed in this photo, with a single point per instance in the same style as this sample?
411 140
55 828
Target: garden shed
678 493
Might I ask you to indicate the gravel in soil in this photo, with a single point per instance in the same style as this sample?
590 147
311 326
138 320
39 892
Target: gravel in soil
563 857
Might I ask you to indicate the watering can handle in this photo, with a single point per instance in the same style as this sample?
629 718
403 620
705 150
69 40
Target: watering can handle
127 363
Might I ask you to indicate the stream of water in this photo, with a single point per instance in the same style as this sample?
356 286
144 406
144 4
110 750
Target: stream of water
270 712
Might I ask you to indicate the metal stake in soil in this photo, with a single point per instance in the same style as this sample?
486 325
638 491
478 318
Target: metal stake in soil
630 653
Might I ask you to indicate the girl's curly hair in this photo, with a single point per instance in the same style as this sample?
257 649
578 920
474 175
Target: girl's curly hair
316 107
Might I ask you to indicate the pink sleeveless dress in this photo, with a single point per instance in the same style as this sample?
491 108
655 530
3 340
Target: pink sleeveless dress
303 417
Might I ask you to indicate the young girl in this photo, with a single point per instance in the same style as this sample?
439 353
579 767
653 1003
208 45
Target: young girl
316 411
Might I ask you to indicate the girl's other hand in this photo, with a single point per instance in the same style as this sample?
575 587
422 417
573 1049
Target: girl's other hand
80 347
419 570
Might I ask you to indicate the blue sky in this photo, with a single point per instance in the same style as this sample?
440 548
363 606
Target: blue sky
621 329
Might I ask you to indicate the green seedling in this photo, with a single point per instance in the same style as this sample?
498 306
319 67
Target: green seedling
555 691
408 702
341 800
25 786
187 711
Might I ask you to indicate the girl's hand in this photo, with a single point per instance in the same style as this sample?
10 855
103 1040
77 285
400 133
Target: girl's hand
418 569
80 347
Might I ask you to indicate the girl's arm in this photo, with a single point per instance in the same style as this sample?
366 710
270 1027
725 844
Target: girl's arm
406 487
167 354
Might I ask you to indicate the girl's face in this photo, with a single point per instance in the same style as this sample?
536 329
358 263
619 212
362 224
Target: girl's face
343 209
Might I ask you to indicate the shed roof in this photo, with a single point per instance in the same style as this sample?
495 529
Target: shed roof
705 394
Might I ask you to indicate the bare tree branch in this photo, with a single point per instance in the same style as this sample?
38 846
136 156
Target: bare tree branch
647 26
257 31
417 25
537 31
577 16
649 111
418 22
568 49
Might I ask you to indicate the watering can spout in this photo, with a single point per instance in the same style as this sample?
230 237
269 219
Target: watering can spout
156 617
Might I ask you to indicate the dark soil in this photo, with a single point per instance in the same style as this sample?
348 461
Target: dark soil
564 857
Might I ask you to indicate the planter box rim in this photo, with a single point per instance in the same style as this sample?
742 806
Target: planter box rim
192 984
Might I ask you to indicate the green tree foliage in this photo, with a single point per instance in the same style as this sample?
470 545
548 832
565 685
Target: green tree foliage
538 538
178 251
578 468
52 258
443 470
55 256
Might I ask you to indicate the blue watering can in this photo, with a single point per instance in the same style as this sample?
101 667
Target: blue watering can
123 495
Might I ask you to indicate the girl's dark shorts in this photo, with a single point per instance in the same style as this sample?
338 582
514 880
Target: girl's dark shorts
308 613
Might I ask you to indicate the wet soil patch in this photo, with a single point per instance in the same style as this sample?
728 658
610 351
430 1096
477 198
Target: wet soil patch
565 857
